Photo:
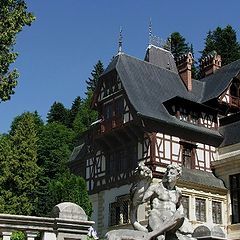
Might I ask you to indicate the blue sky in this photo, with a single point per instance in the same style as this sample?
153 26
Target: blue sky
57 53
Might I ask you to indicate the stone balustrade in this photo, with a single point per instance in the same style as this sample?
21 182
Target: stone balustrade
68 221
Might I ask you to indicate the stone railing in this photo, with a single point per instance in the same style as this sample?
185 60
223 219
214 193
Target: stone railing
68 221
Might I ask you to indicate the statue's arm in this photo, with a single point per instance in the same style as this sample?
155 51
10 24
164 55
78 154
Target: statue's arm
179 205
149 192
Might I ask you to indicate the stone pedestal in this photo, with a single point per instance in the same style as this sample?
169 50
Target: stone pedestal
6 235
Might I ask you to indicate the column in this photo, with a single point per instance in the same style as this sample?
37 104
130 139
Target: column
6 235
31 235
49 236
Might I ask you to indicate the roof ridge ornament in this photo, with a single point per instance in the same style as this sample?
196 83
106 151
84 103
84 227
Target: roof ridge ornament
150 31
158 41
120 41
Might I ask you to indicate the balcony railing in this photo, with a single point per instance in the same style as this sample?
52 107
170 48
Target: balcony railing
109 124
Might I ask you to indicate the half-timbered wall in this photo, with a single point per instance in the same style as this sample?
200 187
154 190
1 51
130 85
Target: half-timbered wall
96 170
144 150
168 149
110 86
111 166
231 96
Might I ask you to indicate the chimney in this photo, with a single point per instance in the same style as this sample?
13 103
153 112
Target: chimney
210 64
184 65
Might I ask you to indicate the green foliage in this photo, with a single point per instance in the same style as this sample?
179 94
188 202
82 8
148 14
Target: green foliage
37 121
18 236
13 17
96 72
19 169
85 117
55 146
75 108
58 113
178 45
70 188
224 42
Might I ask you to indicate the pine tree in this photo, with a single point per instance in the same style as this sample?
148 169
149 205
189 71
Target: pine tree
19 167
58 113
75 108
178 45
85 117
224 42
55 147
96 72
13 17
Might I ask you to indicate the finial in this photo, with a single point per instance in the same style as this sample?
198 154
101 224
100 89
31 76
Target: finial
120 41
150 31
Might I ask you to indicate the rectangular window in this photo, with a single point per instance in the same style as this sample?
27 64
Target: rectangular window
217 212
108 111
119 106
200 210
235 197
188 155
119 211
185 203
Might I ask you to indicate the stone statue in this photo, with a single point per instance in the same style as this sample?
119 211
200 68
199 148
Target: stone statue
166 221
137 192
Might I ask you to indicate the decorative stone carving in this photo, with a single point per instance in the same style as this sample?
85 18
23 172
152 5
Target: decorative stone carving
166 221
209 232
68 210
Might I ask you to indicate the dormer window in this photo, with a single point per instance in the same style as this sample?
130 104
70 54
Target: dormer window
235 92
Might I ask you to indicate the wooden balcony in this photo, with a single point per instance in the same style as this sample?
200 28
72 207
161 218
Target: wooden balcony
110 124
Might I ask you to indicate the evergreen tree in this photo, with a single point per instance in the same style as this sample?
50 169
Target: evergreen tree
13 17
70 188
37 121
55 147
85 117
75 108
96 72
58 113
224 42
178 45
19 167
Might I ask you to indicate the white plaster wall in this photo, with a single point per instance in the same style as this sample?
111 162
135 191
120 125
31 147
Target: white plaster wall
109 197
94 201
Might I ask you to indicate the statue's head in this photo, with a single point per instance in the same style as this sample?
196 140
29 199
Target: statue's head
143 171
172 174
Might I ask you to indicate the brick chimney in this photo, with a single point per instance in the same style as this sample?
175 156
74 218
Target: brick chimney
210 64
184 66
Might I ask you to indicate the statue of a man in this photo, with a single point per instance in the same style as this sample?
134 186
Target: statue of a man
165 200
166 221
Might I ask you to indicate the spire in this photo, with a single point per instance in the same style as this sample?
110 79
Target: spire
120 41
150 31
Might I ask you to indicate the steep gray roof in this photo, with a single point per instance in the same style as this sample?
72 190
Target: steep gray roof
149 86
161 58
216 83
201 177
231 130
